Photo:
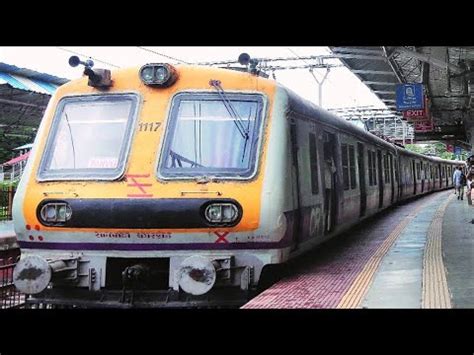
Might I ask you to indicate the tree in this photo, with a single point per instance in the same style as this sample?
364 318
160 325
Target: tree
438 149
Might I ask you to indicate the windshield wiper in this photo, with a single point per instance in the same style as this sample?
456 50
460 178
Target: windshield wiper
72 141
176 158
230 108
233 113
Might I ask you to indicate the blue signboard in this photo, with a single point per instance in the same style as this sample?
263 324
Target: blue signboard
410 97
457 150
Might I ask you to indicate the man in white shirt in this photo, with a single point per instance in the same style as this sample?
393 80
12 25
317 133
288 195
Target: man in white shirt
457 182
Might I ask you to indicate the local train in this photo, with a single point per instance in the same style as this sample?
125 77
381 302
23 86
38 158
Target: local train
149 183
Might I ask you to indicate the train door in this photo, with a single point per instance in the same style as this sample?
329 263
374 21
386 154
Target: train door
296 185
363 190
379 167
439 175
414 177
446 174
392 183
397 168
330 182
422 173
433 171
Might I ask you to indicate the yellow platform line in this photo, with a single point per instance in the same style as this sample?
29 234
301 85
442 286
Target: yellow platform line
360 286
435 292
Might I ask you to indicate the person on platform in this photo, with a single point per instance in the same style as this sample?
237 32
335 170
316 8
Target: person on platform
470 189
457 182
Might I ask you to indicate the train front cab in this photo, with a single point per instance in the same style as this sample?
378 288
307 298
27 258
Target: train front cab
153 208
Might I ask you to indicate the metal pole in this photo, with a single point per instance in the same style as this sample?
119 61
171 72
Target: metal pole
403 132
320 85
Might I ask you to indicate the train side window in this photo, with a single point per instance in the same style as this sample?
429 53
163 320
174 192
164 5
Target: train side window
418 171
345 166
313 159
352 167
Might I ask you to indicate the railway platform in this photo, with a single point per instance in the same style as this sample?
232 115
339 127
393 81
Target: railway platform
7 236
419 254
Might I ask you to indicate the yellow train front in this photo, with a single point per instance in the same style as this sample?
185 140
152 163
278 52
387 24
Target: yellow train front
152 181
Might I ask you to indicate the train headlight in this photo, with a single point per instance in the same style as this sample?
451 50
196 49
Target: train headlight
162 75
221 213
55 212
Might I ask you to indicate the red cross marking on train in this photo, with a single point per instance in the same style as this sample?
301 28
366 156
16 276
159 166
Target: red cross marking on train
221 237
138 185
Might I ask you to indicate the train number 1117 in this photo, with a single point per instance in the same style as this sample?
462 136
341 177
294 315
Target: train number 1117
148 126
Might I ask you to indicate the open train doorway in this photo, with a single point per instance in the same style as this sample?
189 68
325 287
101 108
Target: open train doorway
363 190
330 182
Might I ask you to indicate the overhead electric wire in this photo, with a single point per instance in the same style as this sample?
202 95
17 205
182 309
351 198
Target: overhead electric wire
84 55
163 55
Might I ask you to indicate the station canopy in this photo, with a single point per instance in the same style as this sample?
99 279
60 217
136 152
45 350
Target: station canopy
24 95
447 75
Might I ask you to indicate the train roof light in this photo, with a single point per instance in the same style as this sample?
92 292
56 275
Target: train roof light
159 74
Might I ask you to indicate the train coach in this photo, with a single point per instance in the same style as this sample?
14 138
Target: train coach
165 184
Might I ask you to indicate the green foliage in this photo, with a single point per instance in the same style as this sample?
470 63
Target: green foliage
10 139
9 183
415 148
436 149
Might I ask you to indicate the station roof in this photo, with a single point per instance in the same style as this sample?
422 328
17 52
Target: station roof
445 72
24 94
24 146
17 159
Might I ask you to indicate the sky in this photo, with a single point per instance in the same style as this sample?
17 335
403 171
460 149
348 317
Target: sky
340 89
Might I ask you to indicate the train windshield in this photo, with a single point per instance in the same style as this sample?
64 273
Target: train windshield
209 136
89 137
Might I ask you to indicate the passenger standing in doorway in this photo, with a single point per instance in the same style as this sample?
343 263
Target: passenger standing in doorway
457 182
329 172
469 188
